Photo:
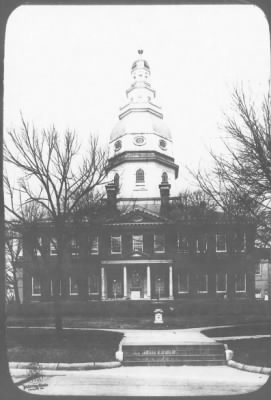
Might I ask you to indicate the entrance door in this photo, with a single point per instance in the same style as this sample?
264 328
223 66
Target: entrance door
136 278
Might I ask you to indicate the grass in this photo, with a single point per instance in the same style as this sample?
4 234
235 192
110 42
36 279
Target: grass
70 346
142 322
251 351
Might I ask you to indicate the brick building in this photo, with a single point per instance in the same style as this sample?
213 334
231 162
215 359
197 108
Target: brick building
147 245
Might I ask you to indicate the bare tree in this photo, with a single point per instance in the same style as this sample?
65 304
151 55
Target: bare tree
240 180
56 177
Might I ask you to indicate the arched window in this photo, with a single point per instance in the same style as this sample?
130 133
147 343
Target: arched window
140 178
117 179
164 177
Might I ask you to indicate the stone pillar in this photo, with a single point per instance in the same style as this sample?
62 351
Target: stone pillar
124 281
102 283
148 282
170 282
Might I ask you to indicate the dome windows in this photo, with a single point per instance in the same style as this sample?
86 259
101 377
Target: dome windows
139 140
140 177
118 145
162 144
164 177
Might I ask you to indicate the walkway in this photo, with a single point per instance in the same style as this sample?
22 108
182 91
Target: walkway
149 381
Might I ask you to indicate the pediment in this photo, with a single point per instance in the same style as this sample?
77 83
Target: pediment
140 216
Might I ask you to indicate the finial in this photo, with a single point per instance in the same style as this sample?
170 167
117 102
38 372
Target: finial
140 52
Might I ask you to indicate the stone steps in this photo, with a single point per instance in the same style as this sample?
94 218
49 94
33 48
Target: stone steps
183 354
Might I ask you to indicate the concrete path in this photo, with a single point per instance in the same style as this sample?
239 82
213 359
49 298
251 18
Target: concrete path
147 381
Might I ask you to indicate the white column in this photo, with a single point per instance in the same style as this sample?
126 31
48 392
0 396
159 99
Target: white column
102 283
148 282
124 281
170 282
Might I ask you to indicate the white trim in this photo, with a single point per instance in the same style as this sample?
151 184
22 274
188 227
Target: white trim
241 291
32 286
136 261
97 251
226 282
140 240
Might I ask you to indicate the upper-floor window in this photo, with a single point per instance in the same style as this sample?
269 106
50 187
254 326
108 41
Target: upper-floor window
36 286
75 247
15 247
243 246
183 282
240 282
159 243
38 246
73 286
140 176
138 243
240 242
202 244
221 245
53 247
258 269
203 283
57 284
221 282
164 177
116 245
116 179
182 243
94 245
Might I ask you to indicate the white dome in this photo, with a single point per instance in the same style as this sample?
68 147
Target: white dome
140 122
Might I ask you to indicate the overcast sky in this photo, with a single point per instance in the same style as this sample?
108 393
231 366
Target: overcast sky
69 66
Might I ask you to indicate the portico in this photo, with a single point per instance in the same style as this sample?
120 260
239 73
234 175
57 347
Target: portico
136 279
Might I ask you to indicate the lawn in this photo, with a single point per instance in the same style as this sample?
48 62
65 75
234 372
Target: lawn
251 351
70 346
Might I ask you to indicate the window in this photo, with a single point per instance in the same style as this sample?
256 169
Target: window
52 288
221 246
164 177
221 282
93 283
203 283
258 269
162 144
38 246
53 247
183 282
36 287
138 243
115 244
201 245
182 243
240 282
159 243
243 242
118 145
117 179
94 245
73 286
16 245
139 140
140 178
75 247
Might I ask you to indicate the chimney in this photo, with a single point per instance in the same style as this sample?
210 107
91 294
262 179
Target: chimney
164 193
111 191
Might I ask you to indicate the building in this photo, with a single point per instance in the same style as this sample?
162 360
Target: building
148 245
263 274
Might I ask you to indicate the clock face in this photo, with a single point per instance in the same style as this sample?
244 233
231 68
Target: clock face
139 140
162 144
118 145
